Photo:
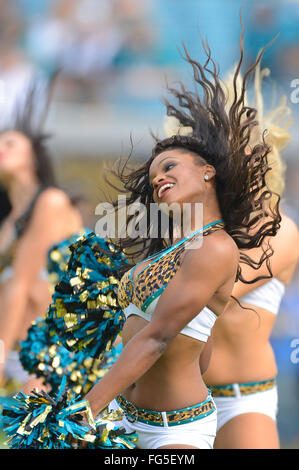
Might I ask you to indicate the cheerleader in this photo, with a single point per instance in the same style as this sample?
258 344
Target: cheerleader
242 370
34 215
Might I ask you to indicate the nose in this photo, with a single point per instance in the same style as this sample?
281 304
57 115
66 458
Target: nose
157 180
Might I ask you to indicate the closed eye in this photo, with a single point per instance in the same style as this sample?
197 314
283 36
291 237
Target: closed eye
168 166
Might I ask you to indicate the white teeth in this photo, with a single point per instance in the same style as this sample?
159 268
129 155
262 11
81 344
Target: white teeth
165 186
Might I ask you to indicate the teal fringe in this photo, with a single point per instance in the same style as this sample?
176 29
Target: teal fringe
85 313
53 421
43 356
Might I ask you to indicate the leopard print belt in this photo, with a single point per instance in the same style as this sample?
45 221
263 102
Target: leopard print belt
243 388
160 418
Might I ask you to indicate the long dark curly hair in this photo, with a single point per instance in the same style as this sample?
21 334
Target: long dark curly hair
219 137
28 118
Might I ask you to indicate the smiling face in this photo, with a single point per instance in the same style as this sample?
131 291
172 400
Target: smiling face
178 176
16 154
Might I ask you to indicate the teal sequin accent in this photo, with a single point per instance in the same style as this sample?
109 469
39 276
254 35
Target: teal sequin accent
153 278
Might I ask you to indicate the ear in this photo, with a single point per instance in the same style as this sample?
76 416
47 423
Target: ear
209 172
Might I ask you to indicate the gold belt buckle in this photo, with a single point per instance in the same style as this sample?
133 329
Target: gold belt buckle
131 408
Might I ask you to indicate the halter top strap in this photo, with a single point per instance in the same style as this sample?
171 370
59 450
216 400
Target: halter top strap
213 226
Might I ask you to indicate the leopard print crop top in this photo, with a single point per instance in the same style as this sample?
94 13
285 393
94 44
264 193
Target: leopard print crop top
139 295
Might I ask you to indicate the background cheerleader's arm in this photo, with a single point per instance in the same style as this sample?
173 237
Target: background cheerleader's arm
53 219
180 302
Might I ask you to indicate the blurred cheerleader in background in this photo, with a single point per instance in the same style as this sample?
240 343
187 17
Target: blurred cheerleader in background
242 370
34 214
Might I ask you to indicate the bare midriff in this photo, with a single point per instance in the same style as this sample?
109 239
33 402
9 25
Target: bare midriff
242 351
174 381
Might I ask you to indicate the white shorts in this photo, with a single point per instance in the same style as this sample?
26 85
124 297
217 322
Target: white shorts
200 433
265 402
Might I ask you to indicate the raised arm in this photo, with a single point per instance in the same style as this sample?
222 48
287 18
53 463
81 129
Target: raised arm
202 272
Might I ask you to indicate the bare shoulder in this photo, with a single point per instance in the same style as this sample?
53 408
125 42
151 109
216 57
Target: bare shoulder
217 249
53 198
288 226
54 208
287 237
222 244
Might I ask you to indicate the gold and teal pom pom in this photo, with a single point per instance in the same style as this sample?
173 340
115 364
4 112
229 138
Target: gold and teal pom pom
109 435
85 313
50 421
45 421
58 257
42 355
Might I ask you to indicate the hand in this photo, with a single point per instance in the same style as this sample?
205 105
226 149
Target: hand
83 420
77 443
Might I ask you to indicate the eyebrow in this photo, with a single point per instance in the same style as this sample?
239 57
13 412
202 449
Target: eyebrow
165 158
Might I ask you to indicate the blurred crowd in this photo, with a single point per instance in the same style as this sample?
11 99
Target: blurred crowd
275 19
86 39
108 47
